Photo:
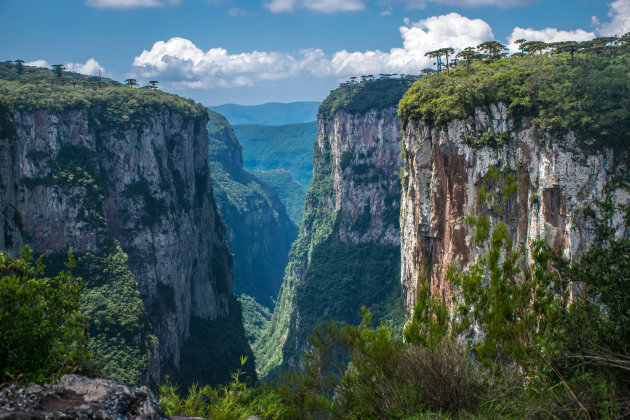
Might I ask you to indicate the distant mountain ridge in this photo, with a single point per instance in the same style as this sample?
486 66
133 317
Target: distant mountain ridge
271 113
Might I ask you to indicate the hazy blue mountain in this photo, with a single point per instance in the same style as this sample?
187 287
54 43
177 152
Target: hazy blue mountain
287 147
271 113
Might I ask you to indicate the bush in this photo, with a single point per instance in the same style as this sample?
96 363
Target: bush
43 335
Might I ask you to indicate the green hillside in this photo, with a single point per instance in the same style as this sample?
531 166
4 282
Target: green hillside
287 147
291 193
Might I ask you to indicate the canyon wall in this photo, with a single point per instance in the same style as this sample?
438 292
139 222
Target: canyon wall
535 183
73 178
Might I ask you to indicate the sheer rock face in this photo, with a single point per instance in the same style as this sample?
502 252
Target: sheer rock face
66 181
353 199
366 153
77 397
446 180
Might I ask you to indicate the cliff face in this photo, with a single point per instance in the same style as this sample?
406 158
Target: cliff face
259 231
535 184
347 251
69 180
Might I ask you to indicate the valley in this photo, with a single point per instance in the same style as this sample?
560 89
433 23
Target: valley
451 245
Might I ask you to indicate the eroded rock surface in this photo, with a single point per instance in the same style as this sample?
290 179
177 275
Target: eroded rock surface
77 397
535 184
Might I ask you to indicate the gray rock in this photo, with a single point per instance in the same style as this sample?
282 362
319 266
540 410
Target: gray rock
77 397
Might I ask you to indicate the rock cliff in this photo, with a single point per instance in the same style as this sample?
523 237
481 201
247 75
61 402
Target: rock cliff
347 251
535 183
125 165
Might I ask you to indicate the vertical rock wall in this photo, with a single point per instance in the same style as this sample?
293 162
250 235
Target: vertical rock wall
534 184
69 181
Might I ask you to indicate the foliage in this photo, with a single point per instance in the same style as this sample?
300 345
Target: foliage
590 98
111 103
119 328
234 400
213 350
288 147
290 192
41 330
256 318
358 98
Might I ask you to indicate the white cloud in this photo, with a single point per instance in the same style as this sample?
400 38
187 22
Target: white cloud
546 35
180 61
129 4
38 63
90 67
322 6
619 24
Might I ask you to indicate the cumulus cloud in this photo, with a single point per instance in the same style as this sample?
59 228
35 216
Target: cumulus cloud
322 6
90 67
129 4
546 35
38 63
180 61
619 24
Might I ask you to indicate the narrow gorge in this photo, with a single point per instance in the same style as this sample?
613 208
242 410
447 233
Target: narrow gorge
347 253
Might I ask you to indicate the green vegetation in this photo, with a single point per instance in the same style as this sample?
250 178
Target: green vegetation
587 92
256 318
119 329
41 330
214 349
290 192
287 147
110 103
260 231
545 338
358 98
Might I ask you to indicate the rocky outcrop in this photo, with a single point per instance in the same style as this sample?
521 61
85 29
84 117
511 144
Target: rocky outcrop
534 183
68 179
347 251
77 397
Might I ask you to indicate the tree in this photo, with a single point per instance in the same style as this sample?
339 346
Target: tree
131 82
520 43
153 84
19 65
469 55
59 69
568 46
437 55
43 335
427 71
531 47
492 49
446 52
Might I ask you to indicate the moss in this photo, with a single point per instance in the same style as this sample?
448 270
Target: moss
153 208
346 159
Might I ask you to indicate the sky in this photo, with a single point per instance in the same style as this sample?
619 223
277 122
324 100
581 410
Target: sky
256 51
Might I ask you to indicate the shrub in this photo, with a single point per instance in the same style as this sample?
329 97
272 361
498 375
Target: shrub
43 335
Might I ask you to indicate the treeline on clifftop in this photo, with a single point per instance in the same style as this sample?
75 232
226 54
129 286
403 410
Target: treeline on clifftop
117 104
584 89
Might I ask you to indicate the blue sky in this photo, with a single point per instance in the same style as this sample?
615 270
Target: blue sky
256 51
